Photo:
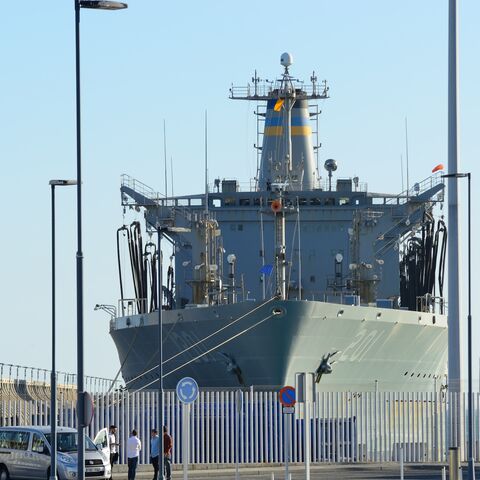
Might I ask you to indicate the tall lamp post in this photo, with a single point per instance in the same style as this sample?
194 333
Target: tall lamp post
161 229
98 5
53 376
471 462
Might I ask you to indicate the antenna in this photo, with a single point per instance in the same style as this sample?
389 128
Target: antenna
406 148
171 171
401 171
206 162
165 156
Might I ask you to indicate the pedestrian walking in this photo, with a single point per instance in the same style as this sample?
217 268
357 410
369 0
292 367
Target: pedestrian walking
133 450
155 452
167 453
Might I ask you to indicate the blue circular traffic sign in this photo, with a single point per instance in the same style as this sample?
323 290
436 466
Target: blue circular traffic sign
187 390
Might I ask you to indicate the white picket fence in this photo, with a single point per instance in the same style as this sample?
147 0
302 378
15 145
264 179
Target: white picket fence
345 426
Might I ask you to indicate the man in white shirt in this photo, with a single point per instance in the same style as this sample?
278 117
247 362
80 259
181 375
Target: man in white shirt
133 450
112 440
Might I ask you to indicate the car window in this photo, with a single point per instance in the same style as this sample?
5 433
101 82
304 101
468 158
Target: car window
4 441
38 443
14 440
67 442
101 439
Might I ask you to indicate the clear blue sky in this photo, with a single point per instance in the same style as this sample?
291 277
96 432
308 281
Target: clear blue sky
384 60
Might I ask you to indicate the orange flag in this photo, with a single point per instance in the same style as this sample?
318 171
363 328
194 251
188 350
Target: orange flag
278 105
438 168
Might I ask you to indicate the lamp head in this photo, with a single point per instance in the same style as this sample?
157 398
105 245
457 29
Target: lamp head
103 4
455 175
62 183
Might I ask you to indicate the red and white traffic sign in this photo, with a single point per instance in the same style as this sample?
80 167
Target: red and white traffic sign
286 396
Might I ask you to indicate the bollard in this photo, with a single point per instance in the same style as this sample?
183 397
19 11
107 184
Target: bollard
401 463
444 473
454 468
272 477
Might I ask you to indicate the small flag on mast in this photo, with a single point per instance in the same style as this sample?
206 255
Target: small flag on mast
267 269
278 105
438 168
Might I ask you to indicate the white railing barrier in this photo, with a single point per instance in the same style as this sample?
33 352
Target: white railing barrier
342 426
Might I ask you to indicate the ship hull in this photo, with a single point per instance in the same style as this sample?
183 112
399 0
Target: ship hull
265 344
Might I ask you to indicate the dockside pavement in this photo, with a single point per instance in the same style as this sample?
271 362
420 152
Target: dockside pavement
356 471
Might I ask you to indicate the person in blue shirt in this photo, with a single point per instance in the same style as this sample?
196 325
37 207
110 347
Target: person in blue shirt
154 452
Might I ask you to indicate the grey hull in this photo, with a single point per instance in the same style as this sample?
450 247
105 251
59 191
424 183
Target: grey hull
379 348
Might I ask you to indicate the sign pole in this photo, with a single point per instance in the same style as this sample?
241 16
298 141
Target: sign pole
286 418
186 439
187 393
286 396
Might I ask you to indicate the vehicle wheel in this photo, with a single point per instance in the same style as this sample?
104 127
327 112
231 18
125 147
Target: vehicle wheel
4 475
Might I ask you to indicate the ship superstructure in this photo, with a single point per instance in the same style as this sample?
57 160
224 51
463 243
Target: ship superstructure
262 282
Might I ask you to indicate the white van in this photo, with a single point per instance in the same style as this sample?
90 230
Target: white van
25 453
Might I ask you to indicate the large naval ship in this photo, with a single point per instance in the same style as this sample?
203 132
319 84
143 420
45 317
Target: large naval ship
262 282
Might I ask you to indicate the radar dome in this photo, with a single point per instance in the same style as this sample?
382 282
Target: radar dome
330 165
286 59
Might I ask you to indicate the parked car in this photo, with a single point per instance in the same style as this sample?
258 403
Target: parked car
25 453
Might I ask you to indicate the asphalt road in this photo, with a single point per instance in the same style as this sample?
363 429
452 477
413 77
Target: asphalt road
337 472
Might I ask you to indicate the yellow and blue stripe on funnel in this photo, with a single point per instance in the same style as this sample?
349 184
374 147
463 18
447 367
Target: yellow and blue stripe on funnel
274 121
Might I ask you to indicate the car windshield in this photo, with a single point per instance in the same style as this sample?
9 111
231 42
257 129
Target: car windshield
67 442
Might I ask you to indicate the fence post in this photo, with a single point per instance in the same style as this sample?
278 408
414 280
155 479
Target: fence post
307 448
401 463
238 412
454 467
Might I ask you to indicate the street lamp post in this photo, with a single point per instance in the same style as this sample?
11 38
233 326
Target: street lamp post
99 5
53 376
161 466
161 229
471 462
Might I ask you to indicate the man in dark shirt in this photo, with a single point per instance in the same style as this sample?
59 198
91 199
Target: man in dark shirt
167 453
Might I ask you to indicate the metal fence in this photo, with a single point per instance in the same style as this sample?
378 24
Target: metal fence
344 426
